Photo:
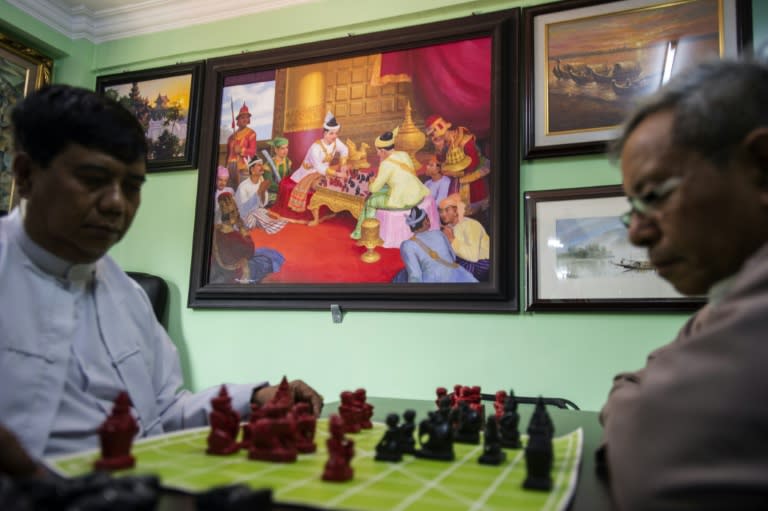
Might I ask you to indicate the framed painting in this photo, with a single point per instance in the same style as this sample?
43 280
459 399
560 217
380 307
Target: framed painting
319 161
166 100
579 257
22 70
587 62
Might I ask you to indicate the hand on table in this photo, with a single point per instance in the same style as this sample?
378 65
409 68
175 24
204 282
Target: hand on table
14 460
301 392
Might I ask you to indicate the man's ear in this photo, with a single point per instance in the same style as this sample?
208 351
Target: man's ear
756 143
22 172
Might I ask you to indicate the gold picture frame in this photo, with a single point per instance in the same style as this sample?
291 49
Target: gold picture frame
22 70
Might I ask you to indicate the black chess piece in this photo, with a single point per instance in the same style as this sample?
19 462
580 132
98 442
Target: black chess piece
439 435
539 454
407 428
508 424
388 448
468 425
492 452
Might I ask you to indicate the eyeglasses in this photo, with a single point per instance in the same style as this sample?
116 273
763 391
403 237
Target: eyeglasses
650 201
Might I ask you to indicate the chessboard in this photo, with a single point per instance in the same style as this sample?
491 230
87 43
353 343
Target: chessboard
180 461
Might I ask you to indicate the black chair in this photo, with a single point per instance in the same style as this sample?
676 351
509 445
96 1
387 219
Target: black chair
157 291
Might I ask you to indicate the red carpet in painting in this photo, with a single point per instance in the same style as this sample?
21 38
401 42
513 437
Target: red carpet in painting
326 254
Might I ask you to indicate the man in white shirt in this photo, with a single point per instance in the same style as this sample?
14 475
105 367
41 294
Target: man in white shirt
75 330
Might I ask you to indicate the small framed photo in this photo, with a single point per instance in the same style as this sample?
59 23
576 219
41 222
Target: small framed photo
579 257
587 62
22 70
166 100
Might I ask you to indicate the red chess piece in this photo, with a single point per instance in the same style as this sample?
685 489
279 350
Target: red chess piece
284 396
441 393
498 404
350 412
366 409
273 437
257 412
116 436
340 452
306 424
225 423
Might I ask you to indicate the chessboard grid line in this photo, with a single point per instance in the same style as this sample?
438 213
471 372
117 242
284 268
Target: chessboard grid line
561 471
436 482
479 503
573 468
359 487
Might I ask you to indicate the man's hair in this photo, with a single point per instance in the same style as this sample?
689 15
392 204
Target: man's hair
55 116
715 105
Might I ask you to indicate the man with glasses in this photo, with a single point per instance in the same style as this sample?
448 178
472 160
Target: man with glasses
688 430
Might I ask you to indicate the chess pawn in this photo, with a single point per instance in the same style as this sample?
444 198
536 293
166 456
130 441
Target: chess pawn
492 452
366 409
388 448
350 412
508 424
340 452
225 424
116 436
306 423
407 442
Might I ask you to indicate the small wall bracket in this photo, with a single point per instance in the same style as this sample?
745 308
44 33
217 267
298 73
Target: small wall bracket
336 314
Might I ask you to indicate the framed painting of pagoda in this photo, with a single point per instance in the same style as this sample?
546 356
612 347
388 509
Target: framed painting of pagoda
298 206
166 101
587 62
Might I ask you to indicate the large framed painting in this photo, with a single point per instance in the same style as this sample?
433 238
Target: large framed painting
166 100
579 257
22 70
587 62
373 172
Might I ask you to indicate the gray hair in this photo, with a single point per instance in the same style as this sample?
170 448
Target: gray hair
715 105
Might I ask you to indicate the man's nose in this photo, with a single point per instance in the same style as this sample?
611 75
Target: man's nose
113 199
643 230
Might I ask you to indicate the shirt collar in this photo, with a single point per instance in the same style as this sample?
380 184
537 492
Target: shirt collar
46 261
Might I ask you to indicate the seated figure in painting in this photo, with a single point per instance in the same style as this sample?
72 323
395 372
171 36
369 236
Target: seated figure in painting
235 259
294 193
428 256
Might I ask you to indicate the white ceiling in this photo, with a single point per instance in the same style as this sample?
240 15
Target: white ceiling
104 20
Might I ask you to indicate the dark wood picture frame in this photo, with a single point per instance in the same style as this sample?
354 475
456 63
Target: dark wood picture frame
585 82
23 70
187 100
499 293
587 253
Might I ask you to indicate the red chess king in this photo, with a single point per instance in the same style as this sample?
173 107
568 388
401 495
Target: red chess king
116 436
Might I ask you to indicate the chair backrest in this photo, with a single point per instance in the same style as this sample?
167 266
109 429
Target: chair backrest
157 291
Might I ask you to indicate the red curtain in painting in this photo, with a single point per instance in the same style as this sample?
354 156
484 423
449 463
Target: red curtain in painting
452 80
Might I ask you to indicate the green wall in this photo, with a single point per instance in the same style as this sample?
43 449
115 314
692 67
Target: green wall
391 354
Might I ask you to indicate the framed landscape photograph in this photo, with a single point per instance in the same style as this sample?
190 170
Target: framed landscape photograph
579 257
587 62
295 146
22 70
166 100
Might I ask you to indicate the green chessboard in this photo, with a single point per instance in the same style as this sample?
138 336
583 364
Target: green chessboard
180 461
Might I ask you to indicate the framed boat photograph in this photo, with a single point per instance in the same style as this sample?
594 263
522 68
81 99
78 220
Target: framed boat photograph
166 101
348 172
22 70
578 257
587 62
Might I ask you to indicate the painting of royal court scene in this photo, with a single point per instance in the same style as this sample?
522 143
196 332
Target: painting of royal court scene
368 169
587 64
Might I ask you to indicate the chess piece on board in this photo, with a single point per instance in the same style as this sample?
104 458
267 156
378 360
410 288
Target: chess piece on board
539 454
439 434
350 412
508 424
306 424
273 437
116 436
407 428
468 424
366 409
388 448
492 452
225 425
340 451
283 397
499 402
